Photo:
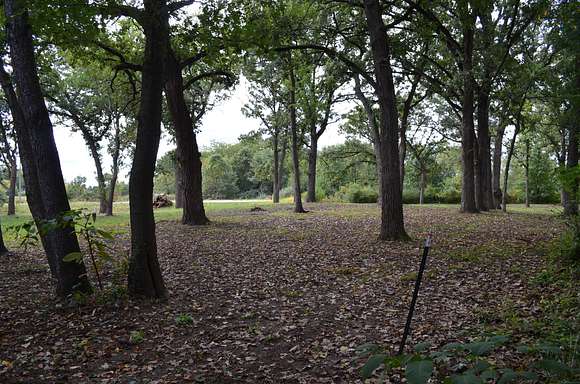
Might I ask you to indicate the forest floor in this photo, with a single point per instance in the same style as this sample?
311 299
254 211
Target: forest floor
276 297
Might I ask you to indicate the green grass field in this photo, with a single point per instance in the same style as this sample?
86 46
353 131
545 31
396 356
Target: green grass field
120 220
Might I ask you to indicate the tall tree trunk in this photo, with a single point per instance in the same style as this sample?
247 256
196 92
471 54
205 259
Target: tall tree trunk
178 185
484 192
497 149
392 224
144 277
3 249
468 203
527 170
281 168
571 207
187 154
12 187
276 168
374 129
102 185
41 149
298 208
312 159
422 184
561 165
114 168
403 149
507 167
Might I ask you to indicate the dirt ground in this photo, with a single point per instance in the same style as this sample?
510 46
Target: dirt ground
273 297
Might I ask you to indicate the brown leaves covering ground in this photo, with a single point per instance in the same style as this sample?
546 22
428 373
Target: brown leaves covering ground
274 297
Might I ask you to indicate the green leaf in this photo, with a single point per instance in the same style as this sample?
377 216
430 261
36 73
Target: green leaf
508 376
372 363
499 339
550 349
418 372
480 348
481 365
466 378
420 347
553 366
488 374
73 257
453 347
105 234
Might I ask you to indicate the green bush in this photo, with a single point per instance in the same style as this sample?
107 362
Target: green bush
355 193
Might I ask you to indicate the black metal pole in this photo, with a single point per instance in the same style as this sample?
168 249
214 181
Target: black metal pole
415 293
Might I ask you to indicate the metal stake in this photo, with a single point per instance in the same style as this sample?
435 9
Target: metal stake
415 293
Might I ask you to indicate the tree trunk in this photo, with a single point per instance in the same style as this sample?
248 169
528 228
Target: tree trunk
527 169
422 183
12 187
298 208
178 185
497 149
468 204
561 165
102 185
485 191
276 168
374 133
403 149
144 277
114 168
281 165
312 158
507 168
392 224
187 154
38 150
3 249
571 207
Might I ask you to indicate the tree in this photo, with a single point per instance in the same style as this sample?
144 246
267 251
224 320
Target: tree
45 188
8 155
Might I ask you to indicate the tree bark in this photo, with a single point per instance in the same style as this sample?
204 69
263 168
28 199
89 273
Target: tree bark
298 208
114 168
187 154
527 170
497 149
178 185
392 224
276 168
102 185
484 191
422 183
3 249
571 207
12 188
144 277
507 167
468 204
312 159
374 129
42 147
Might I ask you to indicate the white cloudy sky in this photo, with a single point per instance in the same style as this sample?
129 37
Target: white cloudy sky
225 123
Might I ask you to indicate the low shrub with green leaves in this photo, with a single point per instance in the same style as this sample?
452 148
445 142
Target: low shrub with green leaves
471 363
354 193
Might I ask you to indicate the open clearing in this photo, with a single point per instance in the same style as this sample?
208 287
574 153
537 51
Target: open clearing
275 297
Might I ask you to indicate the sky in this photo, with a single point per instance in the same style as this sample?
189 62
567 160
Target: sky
224 123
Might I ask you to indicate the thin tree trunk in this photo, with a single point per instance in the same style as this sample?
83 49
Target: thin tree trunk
3 249
507 167
282 160
392 224
114 168
374 129
485 190
298 208
312 159
497 149
561 165
102 185
422 183
276 168
187 153
41 152
144 276
12 188
403 149
527 169
571 207
468 204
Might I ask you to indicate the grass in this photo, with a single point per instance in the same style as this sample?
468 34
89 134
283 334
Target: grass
120 220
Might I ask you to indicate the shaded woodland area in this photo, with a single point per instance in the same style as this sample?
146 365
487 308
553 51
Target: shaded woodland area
473 105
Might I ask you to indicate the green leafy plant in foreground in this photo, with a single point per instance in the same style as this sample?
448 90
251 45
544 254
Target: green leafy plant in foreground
466 363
